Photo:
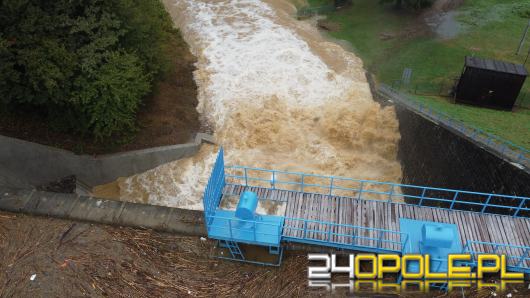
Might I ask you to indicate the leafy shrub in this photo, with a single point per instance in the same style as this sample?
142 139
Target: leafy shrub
87 63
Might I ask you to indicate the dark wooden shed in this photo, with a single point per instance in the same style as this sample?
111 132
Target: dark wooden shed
490 83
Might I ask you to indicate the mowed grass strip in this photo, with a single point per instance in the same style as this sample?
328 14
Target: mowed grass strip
389 40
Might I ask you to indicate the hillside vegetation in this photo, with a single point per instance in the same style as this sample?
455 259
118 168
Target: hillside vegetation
389 40
82 66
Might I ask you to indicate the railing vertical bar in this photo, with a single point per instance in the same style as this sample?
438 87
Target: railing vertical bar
519 207
331 187
486 204
523 257
246 177
496 248
422 196
454 199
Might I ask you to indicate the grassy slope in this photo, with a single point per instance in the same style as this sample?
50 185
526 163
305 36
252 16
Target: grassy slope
493 29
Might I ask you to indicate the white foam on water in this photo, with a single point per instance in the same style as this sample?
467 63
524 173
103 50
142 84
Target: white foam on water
268 88
250 57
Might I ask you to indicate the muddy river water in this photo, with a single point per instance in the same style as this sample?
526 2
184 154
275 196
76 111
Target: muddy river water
276 95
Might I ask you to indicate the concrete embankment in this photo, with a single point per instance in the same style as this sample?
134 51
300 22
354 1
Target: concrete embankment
434 155
84 208
25 163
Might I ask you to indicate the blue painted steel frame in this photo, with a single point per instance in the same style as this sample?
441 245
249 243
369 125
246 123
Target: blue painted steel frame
214 190
518 263
211 200
217 181
355 237
280 256
213 195
266 232
520 205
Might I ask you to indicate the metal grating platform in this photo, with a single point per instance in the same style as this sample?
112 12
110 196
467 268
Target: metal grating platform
321 209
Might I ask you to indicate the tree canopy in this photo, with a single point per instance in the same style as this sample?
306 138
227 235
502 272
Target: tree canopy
86 64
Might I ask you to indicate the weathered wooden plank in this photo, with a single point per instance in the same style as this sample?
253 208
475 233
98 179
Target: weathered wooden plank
475 228
381 214
507 235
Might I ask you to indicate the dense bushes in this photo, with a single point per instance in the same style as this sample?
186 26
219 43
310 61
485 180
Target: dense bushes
86 64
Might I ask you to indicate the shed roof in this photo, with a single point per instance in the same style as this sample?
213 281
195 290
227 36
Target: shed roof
496 65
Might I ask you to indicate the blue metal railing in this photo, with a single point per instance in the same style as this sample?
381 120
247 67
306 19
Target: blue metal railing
504 147
344 235
372 190
214 188
517 257
235 226
212 198
304 230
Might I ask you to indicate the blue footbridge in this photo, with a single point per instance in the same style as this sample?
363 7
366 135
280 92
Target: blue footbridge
361 215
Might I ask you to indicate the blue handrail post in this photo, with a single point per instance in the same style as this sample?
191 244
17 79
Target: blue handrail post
273 180
230 227
246 177
404 244
380 239
331 187
520 156
303 182
519 208
360 190
390 193
496 248
305 229
279 233
254 231
523 257
454 199
329 232
486 204
422 195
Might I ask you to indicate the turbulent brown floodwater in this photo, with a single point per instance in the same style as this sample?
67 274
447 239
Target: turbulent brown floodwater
277 95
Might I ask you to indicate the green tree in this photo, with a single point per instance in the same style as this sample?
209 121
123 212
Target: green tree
111 97
86 64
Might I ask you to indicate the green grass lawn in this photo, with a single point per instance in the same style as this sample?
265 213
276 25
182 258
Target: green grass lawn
384 38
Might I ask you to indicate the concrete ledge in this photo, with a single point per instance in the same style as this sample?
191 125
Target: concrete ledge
84 208
24 163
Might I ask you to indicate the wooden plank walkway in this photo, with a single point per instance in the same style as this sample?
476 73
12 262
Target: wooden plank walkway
384 215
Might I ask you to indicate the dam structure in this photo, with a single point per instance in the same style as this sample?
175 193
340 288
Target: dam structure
362 215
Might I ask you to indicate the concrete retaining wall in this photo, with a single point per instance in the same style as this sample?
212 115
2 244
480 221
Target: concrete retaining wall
83 208
26 163
438 156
